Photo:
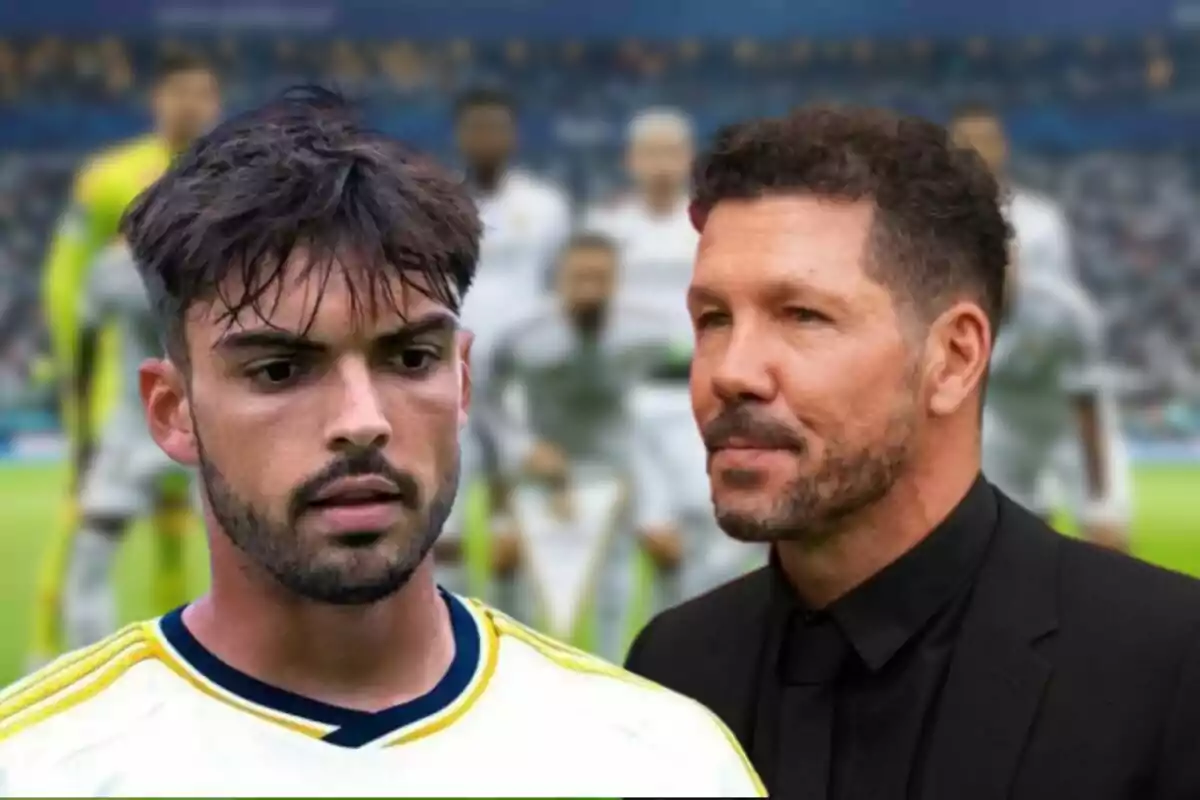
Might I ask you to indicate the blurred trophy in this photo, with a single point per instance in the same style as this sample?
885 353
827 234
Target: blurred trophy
567 530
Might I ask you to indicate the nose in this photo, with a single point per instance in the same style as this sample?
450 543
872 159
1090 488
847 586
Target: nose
359 422
744 371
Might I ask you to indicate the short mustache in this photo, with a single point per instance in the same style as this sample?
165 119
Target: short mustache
747 426
357 464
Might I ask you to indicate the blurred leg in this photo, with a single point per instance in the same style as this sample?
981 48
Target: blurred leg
89 602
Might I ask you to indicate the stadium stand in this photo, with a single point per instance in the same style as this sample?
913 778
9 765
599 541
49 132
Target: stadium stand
1130 184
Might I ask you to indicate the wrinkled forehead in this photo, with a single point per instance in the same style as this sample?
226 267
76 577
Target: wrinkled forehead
333 299
795 242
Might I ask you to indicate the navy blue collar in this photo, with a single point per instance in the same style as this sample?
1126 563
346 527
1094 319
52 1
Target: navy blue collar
352 728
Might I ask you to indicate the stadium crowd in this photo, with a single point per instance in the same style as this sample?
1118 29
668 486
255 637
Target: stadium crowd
1130 203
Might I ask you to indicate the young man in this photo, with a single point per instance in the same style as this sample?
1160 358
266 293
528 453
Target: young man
186 102
124 477
308 273
1043 427
558 402
525 221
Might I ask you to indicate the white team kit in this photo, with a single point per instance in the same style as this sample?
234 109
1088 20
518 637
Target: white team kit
525 222
151 712
129 466
552 384
658 252
1029 447
1048 351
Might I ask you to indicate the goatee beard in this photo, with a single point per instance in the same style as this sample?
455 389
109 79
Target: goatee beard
274 546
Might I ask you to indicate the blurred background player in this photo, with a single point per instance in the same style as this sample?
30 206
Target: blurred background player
1099 122
1049 371
526 220
126 474
558 400
185 103
657 245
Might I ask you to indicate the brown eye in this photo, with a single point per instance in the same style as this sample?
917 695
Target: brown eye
276 374
418 360
708 319
802 314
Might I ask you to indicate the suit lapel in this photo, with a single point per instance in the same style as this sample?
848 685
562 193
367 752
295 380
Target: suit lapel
996 678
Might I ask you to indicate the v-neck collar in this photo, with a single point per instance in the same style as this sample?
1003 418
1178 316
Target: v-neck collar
346 727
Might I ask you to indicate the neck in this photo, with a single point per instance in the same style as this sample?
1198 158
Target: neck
363 657
486 178
589 323
662 201
831 565
175 144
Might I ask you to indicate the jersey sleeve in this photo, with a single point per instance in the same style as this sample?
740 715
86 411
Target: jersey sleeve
558 221
557 227
1055 253
729 769
85 227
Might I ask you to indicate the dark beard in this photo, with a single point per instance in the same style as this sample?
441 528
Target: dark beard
272 543
589 320
814 507
486 176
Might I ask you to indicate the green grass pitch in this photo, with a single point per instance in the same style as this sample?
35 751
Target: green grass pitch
1166 531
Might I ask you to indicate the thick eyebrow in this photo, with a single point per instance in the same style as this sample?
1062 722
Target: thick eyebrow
699 295
276 339
437 322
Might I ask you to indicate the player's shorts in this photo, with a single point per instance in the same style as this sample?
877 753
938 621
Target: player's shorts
1065 484
128 472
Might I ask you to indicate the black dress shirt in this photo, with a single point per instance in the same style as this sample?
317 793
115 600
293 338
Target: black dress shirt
846 694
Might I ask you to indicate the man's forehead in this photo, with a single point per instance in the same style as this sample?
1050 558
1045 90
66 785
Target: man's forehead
334 303
780 241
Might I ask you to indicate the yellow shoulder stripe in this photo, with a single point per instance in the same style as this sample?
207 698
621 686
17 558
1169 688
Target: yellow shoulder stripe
563 654
759 786
491 645
577 660
202 685
71 681
60 667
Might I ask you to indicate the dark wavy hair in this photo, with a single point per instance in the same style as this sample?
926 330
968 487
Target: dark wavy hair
939 232
301 172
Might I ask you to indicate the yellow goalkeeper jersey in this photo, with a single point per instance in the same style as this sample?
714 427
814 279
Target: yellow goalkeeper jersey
102 191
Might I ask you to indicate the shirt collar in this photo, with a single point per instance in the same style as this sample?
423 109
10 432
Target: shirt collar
883 614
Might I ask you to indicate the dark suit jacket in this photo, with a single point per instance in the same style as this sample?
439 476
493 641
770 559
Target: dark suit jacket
1075 676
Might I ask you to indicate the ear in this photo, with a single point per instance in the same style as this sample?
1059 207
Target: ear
168 410
465 340
957 353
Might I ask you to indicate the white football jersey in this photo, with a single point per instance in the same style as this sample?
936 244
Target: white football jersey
1049 350
525 223
151 712
1042 235
658 252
